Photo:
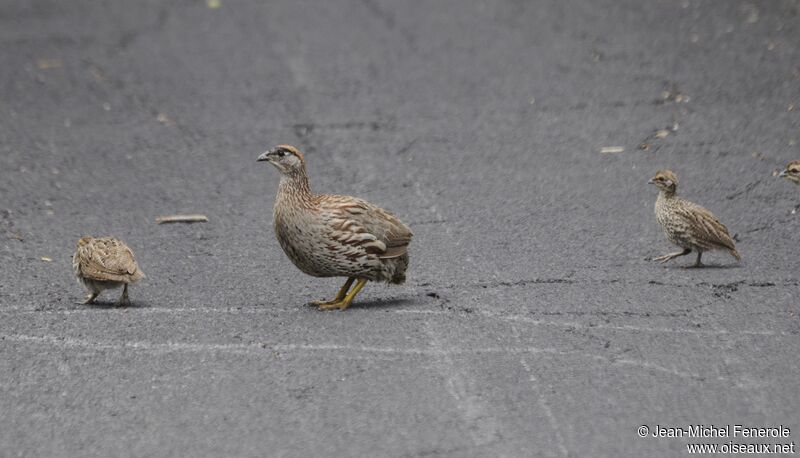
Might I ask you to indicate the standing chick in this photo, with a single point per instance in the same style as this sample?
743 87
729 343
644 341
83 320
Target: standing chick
105 263
335 236
686 224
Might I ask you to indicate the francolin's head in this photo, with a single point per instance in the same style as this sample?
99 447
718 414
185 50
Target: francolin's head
288 159
665 180
792 172
83 241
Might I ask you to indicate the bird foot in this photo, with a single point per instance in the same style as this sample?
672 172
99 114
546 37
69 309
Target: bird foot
89 299
333 305
321 303
667 257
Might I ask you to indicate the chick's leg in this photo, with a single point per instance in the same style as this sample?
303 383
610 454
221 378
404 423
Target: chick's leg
91 297
339 296
698 263
667 257
123 299
344 303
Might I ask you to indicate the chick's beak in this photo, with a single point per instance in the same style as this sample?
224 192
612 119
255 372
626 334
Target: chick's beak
263 157
651 181
782 174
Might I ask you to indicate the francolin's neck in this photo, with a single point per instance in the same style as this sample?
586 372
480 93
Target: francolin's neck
295 185
667 193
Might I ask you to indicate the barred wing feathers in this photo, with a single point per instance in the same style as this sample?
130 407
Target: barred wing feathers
357 222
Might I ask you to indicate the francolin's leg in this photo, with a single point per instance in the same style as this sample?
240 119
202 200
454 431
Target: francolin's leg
698 263
123 299
344 303
667 257
339 296
91 297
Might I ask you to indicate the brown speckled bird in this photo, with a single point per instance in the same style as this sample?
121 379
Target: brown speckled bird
105 263
335 236
792 172
686 224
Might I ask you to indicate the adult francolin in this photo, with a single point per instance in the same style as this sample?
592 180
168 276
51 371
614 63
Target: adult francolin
335 236
686 224
105 263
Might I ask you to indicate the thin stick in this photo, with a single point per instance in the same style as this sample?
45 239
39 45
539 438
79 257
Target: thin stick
182 219
611 149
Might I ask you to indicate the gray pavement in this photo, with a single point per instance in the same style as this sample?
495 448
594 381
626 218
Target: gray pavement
531 324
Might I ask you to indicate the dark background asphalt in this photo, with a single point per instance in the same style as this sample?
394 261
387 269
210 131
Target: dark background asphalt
531 325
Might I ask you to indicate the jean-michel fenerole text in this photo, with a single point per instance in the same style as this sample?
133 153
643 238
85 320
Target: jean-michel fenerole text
721 431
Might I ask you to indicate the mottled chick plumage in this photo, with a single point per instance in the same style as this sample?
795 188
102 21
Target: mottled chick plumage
687 224
792 172
335 236
105 263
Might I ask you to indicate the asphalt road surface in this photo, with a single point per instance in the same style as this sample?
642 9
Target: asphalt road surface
531 323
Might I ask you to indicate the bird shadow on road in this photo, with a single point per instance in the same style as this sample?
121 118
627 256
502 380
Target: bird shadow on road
382 303
111 305
704 266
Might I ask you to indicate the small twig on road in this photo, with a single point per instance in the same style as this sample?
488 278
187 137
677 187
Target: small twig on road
182 219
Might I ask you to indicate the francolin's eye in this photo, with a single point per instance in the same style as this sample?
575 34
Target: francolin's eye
794 171
281 153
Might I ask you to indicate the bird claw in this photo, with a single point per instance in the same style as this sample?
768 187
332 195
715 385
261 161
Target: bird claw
321 303
122 303
334 305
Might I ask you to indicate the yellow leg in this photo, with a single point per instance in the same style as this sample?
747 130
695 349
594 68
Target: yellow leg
344 303
339 296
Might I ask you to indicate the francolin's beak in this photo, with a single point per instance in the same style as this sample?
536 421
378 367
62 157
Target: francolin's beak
651 181
782 174
264 156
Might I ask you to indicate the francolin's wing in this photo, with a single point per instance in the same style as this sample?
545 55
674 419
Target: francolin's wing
109 259
359 223
708 231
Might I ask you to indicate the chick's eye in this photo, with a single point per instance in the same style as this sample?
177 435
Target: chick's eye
794 170
281 153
